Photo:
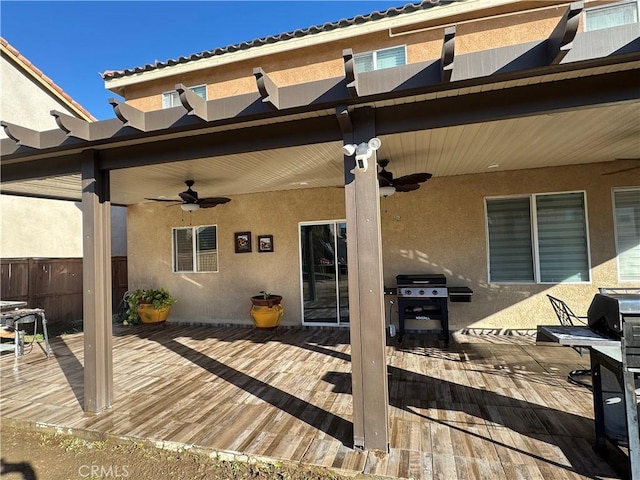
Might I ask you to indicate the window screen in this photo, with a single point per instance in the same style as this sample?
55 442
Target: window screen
195 249
547 246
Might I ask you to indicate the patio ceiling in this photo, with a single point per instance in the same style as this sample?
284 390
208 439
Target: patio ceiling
570 99
591 135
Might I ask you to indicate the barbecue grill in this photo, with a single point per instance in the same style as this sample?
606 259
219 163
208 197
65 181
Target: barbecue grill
613 337
424 297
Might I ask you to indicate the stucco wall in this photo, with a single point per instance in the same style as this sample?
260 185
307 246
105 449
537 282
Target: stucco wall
23 101
437 229
33 227
325 60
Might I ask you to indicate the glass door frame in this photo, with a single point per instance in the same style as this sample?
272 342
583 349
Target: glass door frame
335 224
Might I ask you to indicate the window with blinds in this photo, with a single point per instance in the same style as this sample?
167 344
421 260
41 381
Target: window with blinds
172 99
538 239
612 15
379 59
626 205
195 249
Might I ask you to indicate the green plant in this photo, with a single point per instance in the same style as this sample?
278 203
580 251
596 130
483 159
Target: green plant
265 295
159 298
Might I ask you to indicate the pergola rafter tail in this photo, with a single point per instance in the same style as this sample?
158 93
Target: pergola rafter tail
561 40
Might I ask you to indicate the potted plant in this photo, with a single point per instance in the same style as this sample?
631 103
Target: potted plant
266 310
149 306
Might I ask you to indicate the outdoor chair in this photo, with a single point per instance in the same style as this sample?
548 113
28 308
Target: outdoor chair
567 318
565 314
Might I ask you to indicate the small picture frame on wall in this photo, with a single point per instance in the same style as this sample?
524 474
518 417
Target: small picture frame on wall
242 242
265 243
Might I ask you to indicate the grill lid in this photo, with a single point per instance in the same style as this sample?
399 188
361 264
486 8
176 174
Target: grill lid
607 312
421 279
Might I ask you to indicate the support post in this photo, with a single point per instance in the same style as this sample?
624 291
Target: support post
96 297
366 297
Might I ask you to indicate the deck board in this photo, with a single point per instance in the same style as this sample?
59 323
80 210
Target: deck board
485 407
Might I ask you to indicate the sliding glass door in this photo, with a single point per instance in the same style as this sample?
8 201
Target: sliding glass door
323 260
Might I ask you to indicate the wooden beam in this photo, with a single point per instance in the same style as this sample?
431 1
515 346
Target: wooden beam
22 136
344 120
561 40
194 104
448 54
350 74
267 88
96 271
72 126
128 115
366 297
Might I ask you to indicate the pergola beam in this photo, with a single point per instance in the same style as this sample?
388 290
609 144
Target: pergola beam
128 115
527 100
72 126
193 104
561 40
448 54
350 75
267 88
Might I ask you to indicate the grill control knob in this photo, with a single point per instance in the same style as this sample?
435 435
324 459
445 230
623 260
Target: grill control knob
435 293
421 293
407 292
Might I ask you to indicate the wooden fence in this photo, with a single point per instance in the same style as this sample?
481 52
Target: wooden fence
54 284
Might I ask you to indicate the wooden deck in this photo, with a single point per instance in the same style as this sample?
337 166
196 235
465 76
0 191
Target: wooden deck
487 407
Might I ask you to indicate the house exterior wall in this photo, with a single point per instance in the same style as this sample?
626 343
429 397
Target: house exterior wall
35 227
325 60
23 101
440 228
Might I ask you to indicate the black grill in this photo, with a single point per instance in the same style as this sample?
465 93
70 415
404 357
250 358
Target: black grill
423 297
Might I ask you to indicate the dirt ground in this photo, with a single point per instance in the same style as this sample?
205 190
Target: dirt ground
34 455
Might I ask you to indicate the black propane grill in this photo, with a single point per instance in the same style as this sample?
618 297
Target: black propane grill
424 297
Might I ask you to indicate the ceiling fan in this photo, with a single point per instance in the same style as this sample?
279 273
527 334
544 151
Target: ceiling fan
189 200
389 185
628 169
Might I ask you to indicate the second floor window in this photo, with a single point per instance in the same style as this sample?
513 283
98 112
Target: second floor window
612 15
379 59
172 99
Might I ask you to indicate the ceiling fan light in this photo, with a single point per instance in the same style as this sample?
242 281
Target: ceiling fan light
387 191
190 207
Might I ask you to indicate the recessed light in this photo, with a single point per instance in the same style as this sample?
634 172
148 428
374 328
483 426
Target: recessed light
493 165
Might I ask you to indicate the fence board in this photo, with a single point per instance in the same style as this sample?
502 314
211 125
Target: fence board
54 284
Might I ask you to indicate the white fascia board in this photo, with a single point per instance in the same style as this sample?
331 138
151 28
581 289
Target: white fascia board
442 12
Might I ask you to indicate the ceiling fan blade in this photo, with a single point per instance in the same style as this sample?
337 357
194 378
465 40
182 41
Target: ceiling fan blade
187 197
383 181
407 188
162 200
413 178
211 202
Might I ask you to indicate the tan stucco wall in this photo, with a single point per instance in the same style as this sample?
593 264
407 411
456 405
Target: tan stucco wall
437 229
34 227
325 60
23 101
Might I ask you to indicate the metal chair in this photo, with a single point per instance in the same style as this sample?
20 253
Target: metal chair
567 318
565 314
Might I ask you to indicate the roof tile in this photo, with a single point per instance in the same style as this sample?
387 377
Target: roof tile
326 27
